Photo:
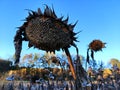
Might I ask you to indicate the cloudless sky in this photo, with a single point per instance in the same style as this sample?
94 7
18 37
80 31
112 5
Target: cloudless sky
97 19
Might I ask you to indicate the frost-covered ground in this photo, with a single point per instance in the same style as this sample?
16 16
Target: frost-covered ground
54 85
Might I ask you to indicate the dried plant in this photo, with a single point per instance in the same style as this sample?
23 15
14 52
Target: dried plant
94 46
45 31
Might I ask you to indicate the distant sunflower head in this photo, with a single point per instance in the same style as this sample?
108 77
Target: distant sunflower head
54 59
96 45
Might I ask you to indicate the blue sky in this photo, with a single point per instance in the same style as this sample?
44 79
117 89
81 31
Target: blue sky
97 19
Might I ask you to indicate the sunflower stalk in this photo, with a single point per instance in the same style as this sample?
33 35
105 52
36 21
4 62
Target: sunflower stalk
81 74
70 63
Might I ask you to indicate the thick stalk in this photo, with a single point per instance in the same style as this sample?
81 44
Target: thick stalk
70 63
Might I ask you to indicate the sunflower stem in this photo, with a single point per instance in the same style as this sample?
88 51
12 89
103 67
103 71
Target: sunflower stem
70 63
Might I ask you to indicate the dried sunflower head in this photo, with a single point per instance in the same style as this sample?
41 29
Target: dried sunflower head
45 31
96 45
54 59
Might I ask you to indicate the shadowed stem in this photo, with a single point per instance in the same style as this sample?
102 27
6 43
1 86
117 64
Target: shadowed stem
70 63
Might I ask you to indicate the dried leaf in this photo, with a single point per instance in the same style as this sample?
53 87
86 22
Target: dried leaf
87 55
92 54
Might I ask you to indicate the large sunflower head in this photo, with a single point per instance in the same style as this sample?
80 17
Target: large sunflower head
44 30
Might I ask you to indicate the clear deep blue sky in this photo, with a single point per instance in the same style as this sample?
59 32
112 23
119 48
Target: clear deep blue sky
97 19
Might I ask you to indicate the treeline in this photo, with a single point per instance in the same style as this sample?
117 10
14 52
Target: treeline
5 65
41 65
